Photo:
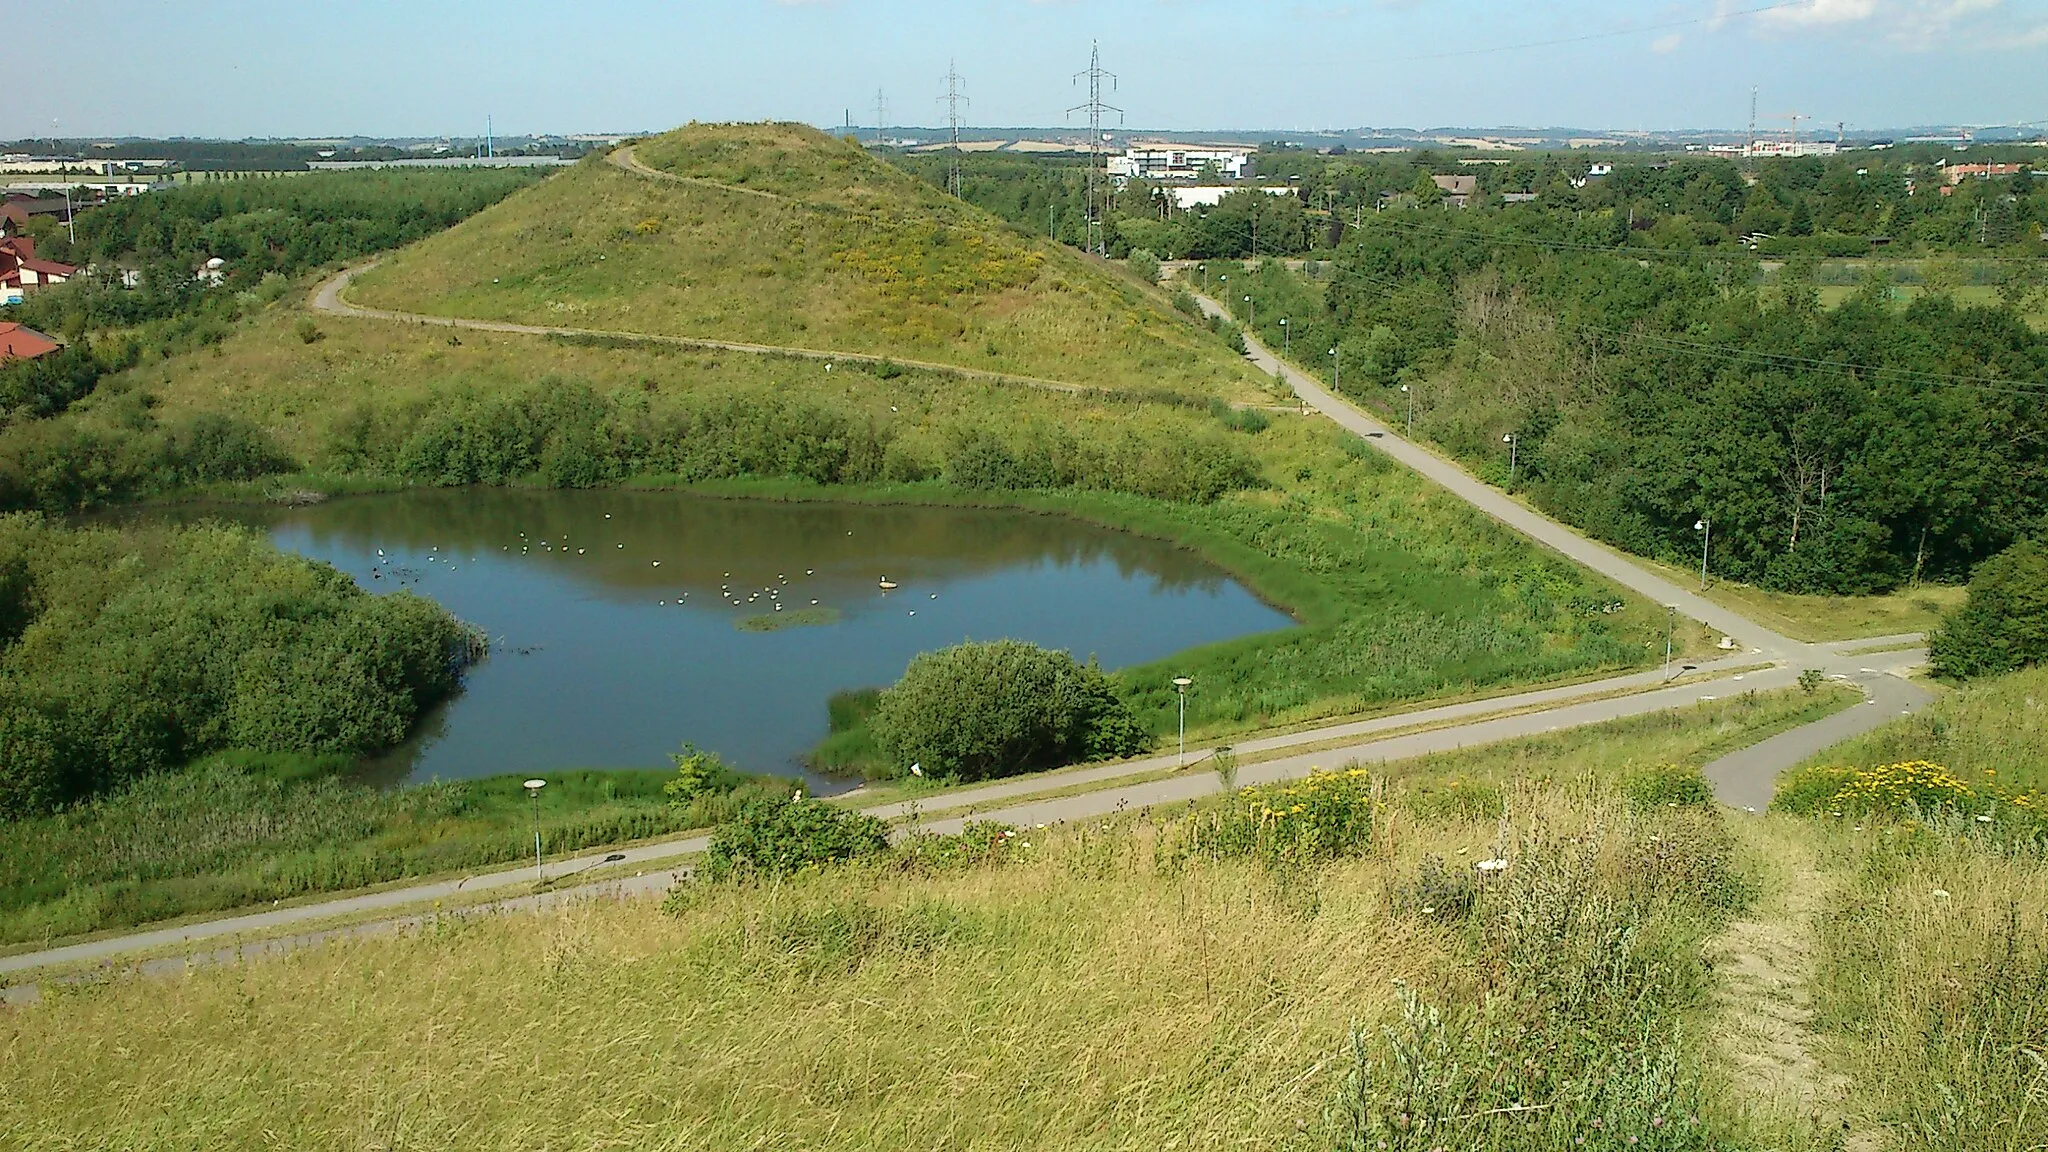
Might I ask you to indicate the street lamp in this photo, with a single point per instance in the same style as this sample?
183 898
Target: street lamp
1205 278
1339 385
1180 686
1410 394
1670 626
533 788
1705 528
1514 444
1252 314
1286 341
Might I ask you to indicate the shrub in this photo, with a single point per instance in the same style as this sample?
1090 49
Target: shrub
2004 623
698 774
779 837
1185 303
995 709
1145 265
307 331
1324 817
1668 786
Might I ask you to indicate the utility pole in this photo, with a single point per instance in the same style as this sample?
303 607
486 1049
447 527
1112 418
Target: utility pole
953 99
1095 108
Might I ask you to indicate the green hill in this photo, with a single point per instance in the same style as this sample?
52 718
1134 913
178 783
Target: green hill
777 234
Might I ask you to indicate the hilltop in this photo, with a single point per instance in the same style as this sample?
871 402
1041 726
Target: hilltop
778 234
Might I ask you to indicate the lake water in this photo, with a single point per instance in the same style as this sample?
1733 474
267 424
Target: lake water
615 617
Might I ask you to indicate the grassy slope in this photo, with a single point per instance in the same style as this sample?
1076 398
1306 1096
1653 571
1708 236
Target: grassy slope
1081 998
848 255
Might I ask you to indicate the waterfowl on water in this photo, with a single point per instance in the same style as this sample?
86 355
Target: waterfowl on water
887 584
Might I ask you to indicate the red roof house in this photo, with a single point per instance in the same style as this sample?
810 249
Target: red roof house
22 272
20 343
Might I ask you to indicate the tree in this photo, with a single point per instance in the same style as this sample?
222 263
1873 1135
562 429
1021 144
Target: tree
2004 623
995 709
1425 191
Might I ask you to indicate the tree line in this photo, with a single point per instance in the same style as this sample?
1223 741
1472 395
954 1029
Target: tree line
1658 401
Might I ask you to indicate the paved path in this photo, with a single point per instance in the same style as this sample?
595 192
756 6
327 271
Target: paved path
1009 802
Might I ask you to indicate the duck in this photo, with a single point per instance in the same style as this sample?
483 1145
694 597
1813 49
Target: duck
887 584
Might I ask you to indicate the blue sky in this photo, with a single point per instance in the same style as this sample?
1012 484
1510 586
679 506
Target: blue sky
432 67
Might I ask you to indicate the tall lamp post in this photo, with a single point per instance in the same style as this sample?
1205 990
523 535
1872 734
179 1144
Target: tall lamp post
1251 308
1514 444
1410 394
1286 340
1180 686
1670 627
533 788
1705 528
1337 354
1205 278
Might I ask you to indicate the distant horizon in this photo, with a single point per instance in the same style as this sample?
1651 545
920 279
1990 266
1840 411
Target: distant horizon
233 70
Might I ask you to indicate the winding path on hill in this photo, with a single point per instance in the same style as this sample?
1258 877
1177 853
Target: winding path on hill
327 298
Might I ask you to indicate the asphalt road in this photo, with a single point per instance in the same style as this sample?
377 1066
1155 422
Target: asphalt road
1743 779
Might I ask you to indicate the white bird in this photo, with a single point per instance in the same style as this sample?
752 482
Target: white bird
607 515
913 611
807 572
657 563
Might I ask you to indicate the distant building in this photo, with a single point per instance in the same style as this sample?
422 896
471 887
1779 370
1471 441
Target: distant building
1458 190
1173 162
1210 195
1792 148
19 208
22 272
20 343
1957 173
1518 197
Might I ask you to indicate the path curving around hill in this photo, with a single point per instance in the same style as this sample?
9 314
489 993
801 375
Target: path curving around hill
328 298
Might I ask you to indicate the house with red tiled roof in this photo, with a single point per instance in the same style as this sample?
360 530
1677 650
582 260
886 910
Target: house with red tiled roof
22 343
22 272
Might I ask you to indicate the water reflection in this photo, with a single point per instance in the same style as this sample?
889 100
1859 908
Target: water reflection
614 615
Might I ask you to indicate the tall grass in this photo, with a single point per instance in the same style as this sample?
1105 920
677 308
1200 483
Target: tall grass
1065 991
1996 728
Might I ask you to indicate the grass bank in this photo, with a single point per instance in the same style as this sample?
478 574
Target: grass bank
240 830
1994 729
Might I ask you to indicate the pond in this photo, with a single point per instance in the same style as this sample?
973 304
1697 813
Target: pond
625 623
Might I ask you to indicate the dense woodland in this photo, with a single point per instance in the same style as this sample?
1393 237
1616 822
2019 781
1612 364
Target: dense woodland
1844 450
1851 204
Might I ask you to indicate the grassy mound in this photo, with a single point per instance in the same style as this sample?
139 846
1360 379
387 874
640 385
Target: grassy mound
777 234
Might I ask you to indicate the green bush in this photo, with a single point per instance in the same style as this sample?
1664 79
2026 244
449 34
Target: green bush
139 650
778 837
1144 265
976 711
2003 626
1668 786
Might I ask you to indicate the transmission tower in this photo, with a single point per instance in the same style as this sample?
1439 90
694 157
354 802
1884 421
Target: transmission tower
953 99
881 115
1095 108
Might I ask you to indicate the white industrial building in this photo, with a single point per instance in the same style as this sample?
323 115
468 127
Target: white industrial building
1174 162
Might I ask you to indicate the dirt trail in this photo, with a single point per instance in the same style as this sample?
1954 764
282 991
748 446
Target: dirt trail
1762 1020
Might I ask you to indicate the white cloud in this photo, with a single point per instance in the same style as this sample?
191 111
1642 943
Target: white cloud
1665 45
1819 13
1910 24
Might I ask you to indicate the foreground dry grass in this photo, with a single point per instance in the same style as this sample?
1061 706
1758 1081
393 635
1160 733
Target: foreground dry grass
1070 1002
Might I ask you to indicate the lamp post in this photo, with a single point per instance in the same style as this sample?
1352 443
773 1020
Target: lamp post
533 788
1180 686
1335 353
1205 278
1410 394
1514 444
1705 528
1251 308
1286 341
1670 626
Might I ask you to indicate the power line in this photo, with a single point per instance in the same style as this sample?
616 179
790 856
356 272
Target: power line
953 99
1095 108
